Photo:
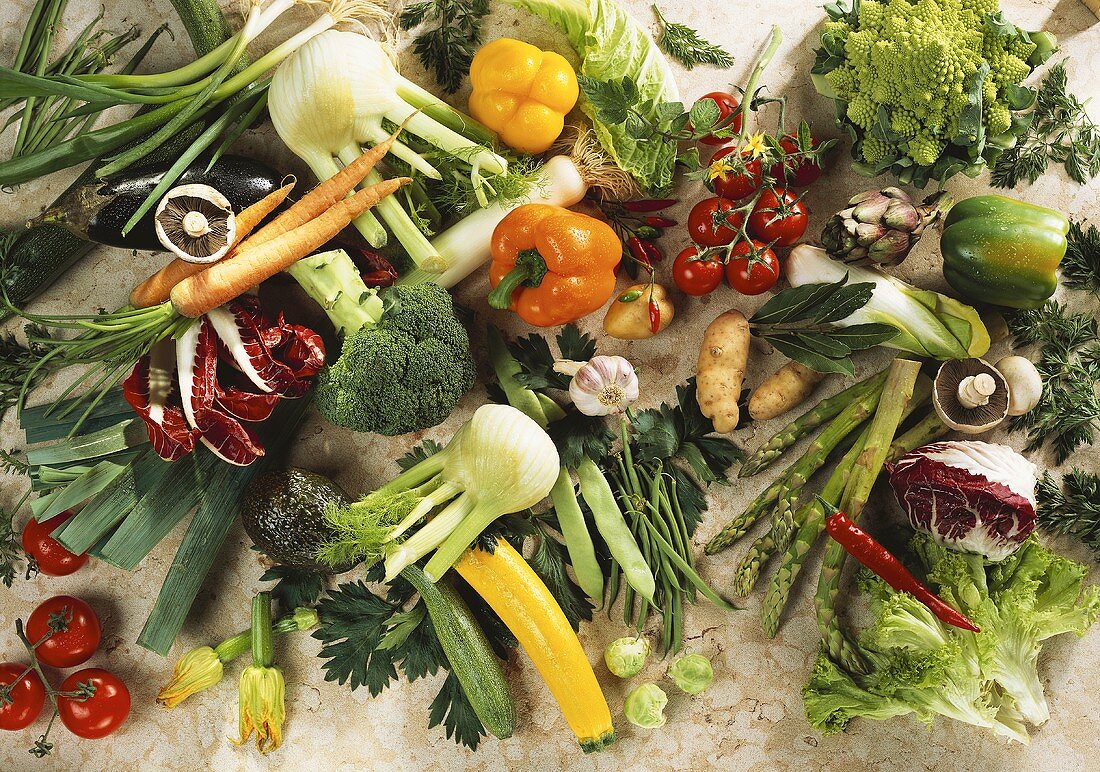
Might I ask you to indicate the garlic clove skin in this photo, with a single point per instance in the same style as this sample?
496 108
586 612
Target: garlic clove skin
605 385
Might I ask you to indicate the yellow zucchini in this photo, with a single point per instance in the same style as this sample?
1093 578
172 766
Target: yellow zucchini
523 603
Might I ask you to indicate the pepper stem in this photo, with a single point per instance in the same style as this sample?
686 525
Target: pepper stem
263 650
529 272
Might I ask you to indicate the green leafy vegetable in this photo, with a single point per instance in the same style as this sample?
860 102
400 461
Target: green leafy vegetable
1068 413
1081 265
448 46
1071 506
686 46
294 587
1058 130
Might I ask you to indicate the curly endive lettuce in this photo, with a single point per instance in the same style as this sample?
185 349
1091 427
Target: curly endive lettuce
613 45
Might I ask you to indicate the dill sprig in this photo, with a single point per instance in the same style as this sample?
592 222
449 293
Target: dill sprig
447 46
1081 265
1058 131
686 46
1068 413
1071 506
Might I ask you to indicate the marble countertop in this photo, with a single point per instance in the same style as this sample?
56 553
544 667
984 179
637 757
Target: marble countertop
752 716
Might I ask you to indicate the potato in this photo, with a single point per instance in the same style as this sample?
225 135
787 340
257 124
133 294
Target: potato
721 369
629 320
786 388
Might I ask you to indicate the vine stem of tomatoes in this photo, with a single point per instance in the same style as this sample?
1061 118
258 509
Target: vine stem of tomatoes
59 623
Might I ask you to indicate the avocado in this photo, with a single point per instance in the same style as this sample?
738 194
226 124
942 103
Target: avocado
284 515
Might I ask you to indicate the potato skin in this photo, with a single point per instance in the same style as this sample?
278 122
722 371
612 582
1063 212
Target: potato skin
721 369
630 321
786 388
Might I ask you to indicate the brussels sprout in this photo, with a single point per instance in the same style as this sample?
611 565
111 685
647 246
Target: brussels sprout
692 673
625 657
645 706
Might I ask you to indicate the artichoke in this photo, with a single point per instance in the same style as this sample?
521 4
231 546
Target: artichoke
879 226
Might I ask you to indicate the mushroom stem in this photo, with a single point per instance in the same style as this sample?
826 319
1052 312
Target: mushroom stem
975 390
195 224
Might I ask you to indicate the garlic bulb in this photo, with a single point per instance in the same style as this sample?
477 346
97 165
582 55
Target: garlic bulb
604 386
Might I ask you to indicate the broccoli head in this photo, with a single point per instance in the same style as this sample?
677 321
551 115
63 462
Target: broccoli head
405 360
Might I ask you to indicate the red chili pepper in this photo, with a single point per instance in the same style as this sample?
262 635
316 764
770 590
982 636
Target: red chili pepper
860 545
648 204
654 316
656 221
380 279
652 252
638 251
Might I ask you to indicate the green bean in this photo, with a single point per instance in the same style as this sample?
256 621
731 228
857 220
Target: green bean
578 542
690 574
613 586
613 527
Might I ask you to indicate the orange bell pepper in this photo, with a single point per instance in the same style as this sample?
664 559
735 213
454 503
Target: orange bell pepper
552 266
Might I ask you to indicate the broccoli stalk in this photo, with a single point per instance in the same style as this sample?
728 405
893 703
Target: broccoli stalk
405 359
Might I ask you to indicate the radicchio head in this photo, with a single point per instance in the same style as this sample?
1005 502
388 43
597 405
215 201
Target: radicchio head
970 496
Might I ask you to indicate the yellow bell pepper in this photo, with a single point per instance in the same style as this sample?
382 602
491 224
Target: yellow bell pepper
522 93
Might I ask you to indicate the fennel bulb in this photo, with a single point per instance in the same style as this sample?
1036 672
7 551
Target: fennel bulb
329 100
499 462
929 324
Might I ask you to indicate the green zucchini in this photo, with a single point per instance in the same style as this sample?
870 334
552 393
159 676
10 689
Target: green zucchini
468 651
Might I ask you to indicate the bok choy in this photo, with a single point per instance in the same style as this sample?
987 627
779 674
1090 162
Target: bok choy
929 324
330 99
499 462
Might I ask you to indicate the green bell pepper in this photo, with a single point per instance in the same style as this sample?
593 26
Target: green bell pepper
1004 252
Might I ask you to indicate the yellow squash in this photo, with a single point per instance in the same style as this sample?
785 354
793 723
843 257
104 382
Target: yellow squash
523 603
522 93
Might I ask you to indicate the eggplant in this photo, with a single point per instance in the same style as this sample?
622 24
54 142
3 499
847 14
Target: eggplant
99 211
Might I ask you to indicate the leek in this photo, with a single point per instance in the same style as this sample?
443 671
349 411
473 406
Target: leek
929 324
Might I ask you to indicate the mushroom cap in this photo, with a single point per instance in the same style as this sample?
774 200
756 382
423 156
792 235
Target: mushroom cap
1025 384
196 223
952 377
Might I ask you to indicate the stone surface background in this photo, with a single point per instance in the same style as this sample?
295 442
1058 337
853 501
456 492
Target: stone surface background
752 716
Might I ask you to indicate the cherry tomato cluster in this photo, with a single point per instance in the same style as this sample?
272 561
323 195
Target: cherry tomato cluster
63 632
754 211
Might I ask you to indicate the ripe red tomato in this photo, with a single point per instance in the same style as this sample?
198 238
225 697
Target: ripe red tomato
796 174
694 275
752 268
734 185
713 223
727 104
98 715
51 558
24 702
72 646
780 221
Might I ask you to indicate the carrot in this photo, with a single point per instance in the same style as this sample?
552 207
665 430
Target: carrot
158 287
326 194
253 263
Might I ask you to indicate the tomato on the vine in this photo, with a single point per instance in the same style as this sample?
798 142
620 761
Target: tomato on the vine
71 646
96 716
22 705
51 558
713 222
696 275
797 173
727 105
752 268
734 185
778 219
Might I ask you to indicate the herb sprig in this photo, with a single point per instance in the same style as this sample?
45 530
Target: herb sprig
1068 413
797 322
1081 265
1058 131
447 46
1071 506
686 45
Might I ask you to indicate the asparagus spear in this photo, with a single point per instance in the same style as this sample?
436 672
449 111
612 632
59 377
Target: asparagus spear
740 525
825 410
811 518
777 539
896 394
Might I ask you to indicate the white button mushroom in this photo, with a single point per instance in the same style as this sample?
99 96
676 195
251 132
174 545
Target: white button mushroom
1025 385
